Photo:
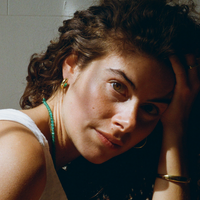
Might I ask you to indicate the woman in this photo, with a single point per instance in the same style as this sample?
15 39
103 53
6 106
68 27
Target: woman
123 67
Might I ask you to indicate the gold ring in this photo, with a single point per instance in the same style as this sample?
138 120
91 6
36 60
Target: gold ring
192 66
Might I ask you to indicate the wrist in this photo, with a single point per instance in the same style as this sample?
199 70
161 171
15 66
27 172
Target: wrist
174 135
173 160
177 126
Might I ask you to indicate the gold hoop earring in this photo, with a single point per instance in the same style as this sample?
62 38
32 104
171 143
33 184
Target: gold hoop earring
139 147
64 83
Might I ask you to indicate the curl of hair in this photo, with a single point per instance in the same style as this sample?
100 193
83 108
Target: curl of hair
153 27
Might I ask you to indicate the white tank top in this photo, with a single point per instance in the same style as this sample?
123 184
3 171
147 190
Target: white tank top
53 189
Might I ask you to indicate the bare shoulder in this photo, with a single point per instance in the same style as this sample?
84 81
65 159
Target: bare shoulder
22 161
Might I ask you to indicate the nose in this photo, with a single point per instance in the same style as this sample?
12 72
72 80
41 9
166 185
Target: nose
125 118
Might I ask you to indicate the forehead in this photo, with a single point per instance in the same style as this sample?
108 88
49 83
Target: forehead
137 63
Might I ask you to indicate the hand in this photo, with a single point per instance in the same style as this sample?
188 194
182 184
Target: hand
174 149
186 89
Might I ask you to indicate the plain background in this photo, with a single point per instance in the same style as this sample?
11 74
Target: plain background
26 27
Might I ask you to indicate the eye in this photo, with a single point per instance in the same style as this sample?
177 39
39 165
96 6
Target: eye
120 88
150 109
116 86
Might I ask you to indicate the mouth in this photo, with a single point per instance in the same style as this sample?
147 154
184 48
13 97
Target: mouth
108 140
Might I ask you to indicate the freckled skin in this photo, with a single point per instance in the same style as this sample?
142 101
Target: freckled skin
92 104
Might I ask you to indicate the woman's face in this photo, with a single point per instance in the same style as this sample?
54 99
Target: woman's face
114 103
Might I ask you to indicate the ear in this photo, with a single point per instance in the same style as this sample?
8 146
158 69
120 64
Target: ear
70 67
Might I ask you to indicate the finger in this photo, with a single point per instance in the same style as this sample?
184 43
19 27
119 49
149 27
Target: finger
180 73
193 72
190 59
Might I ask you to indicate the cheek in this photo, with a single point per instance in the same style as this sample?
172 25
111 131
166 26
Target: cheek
87 103
145 128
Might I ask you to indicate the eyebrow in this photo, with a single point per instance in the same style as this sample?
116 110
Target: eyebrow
122 74
163 99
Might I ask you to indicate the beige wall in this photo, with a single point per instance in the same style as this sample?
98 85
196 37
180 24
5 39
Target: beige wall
26 27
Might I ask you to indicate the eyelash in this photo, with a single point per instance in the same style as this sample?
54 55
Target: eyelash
155 108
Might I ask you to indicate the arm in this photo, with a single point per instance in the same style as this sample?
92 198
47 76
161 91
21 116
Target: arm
173 152
22 171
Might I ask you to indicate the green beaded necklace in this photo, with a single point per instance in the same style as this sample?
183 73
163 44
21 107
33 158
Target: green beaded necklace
52 131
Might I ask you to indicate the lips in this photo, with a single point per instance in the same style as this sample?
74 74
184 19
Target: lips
109 140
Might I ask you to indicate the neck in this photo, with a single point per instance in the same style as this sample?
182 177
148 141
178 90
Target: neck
65 149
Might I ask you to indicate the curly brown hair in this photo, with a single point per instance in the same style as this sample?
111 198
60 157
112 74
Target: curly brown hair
156 28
